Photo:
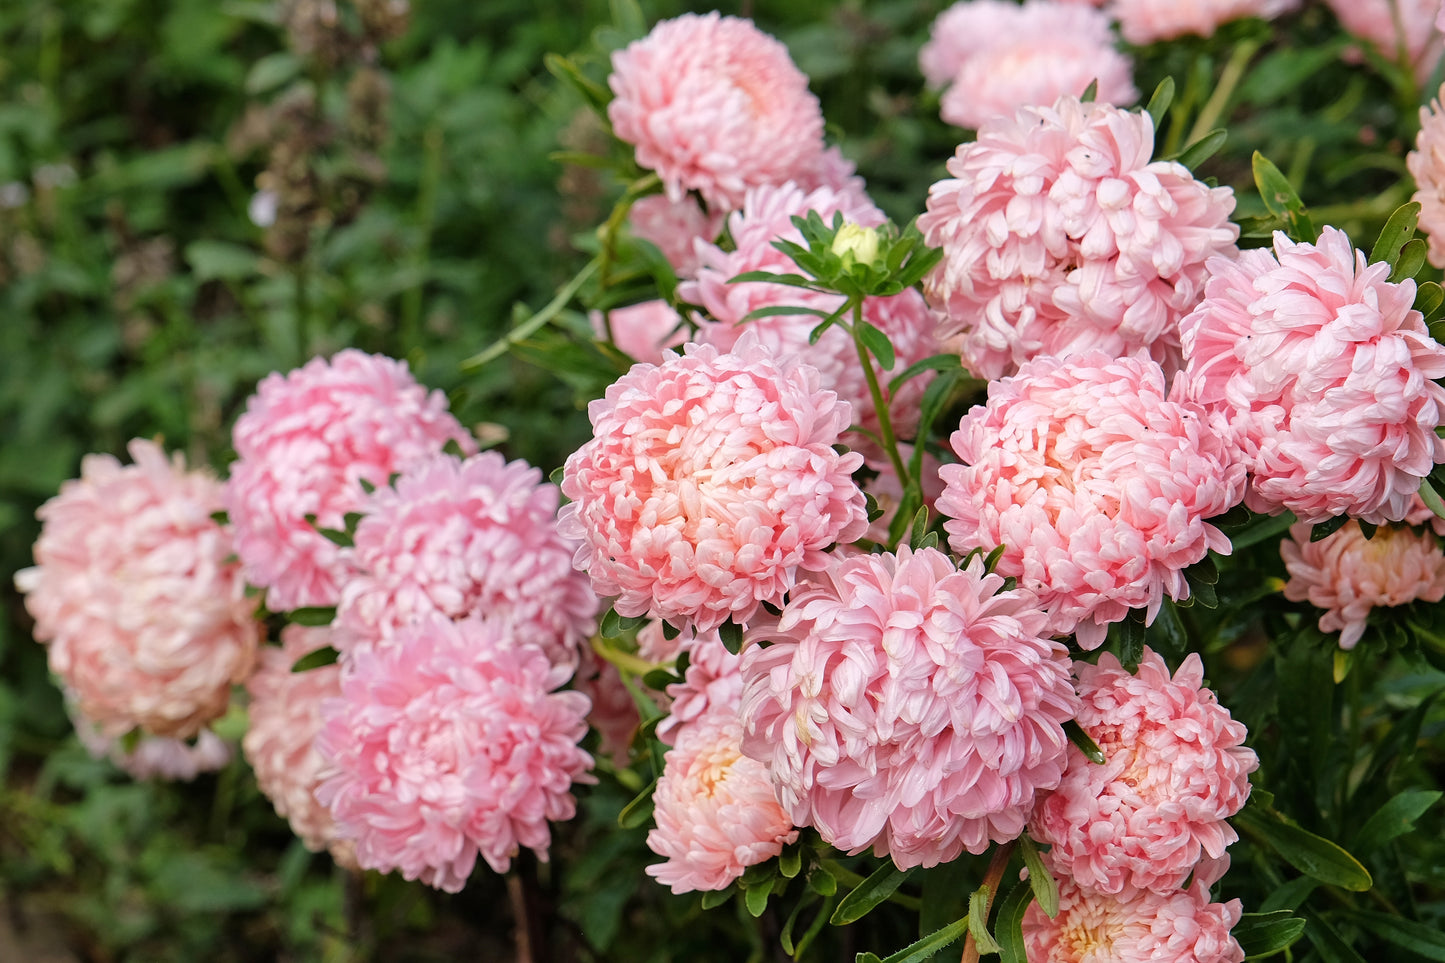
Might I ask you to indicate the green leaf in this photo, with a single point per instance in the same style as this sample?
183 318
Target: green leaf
1260 528
567 71
1290 896
1008 928
1398 230
1086 745
557 474
1412 259
326 655
990 561
1041 881
1312 855
1167 633
1091 92
614 626
732 636
715 898
270 72
877 342
791 280
882 884
926 947
790 861
782 311
1428 297
919 528
978 921
1280 198
221 260
937 362
1431 499
1393 820
312 615
1203 148
822 882
757 895
638 811
1160 100
1265 934
1323 530
1329 945
1417 938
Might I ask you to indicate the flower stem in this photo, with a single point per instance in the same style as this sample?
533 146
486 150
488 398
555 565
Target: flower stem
1214 108
529 327
880 404
996 866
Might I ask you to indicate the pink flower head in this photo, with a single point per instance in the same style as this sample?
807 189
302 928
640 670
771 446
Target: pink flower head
905 706
1175 769
715 105
712 685
461 538
280 741
887 490
135 594
1097 484
1427 165
304 445
1347 574
994 57
1182 926
1403 31
675 227
614 715
641 331
767 217
1324 371
1145 21
709 482
152 757
449 743
715 810
1060 236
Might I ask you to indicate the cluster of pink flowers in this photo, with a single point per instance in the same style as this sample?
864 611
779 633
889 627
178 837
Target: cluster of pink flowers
1060 235
152 757
1427 165
1145 21
1402 31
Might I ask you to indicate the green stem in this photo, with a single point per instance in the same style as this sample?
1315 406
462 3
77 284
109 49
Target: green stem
637 189
535 323
880 404
624 661
1214 108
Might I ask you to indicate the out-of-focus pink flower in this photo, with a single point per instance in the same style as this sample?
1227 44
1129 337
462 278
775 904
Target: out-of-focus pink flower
449 743
1182 927
152 757
674 226
1324 371
1415 45
1060 236
887 491
995 57
903 705
1427 165
1175 769
614 715
712 685
837 173
1097 483
135 595
715 810
461 538
1347 574
710 481
1145 21
304 445
279 743
713 104
641 331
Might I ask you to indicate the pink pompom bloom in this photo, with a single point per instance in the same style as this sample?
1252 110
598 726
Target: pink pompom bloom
1347 574
710 481
715 810
1324 372
995 57
1181 927
1145 21
461 538
1175 769
711 685
304 445
279 744
1097 483
1427 165
905 706
449 743
1403 31
715 105
134 592
641 331
674 226
152 757
1060 236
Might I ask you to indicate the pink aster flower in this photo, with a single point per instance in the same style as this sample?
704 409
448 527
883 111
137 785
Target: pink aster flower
1182 927
907 706
152 757
614 715
887 490
709 482
279 744
1097 483
304 445
713 104
449 744
715 810
1427 165
1175 769
461 538
1145 21
641 331
712 685
1403 31
134 592
1060 236
1324 372
1347 574
674 226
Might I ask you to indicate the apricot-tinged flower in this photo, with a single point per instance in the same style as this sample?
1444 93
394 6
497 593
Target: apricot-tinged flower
1403 31
1145 21
451 743
461 538
710 481
715 105
135 594
903 705
715 809
1097 483
1175 769
1324 371
304 445
1060 236
1347 574
1182 927
1427 165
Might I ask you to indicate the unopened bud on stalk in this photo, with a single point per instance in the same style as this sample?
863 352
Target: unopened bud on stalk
855 244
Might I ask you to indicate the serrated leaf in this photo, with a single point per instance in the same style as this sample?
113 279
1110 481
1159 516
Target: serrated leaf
978 921
312 615
1398 230
1312 855
878 344
1041 881
638 811
865 897
1160 100
1393 820
326 655
1265 934
929 945
1203 148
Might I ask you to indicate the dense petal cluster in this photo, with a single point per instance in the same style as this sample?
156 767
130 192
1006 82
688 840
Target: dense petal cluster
448 744
993 57
1145 21
1324 372
304 445
710 481
136 595
467 537
713 104
1182 927
1347 574
715 810
1097 483
902 705
1176 768
1403 31
1427 165
1060 235
712 684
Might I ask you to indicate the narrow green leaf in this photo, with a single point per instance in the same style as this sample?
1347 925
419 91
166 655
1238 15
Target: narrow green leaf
978 921
782 311
1167 633
929 945
937 362
878 344
1160 100
732 636
1008 928
1393 820
1398 230
614 626
638 811
785 938
1417 938
1323 530
1041 881
565 70
1203 148
1086 745
1091 92
1367 529
757 895
629 18
312 615
990 561
1280 198
1261 528
326 655
1312 855
1290 896
919 528
882 884
791 280
1265 934
1329 945
866 957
